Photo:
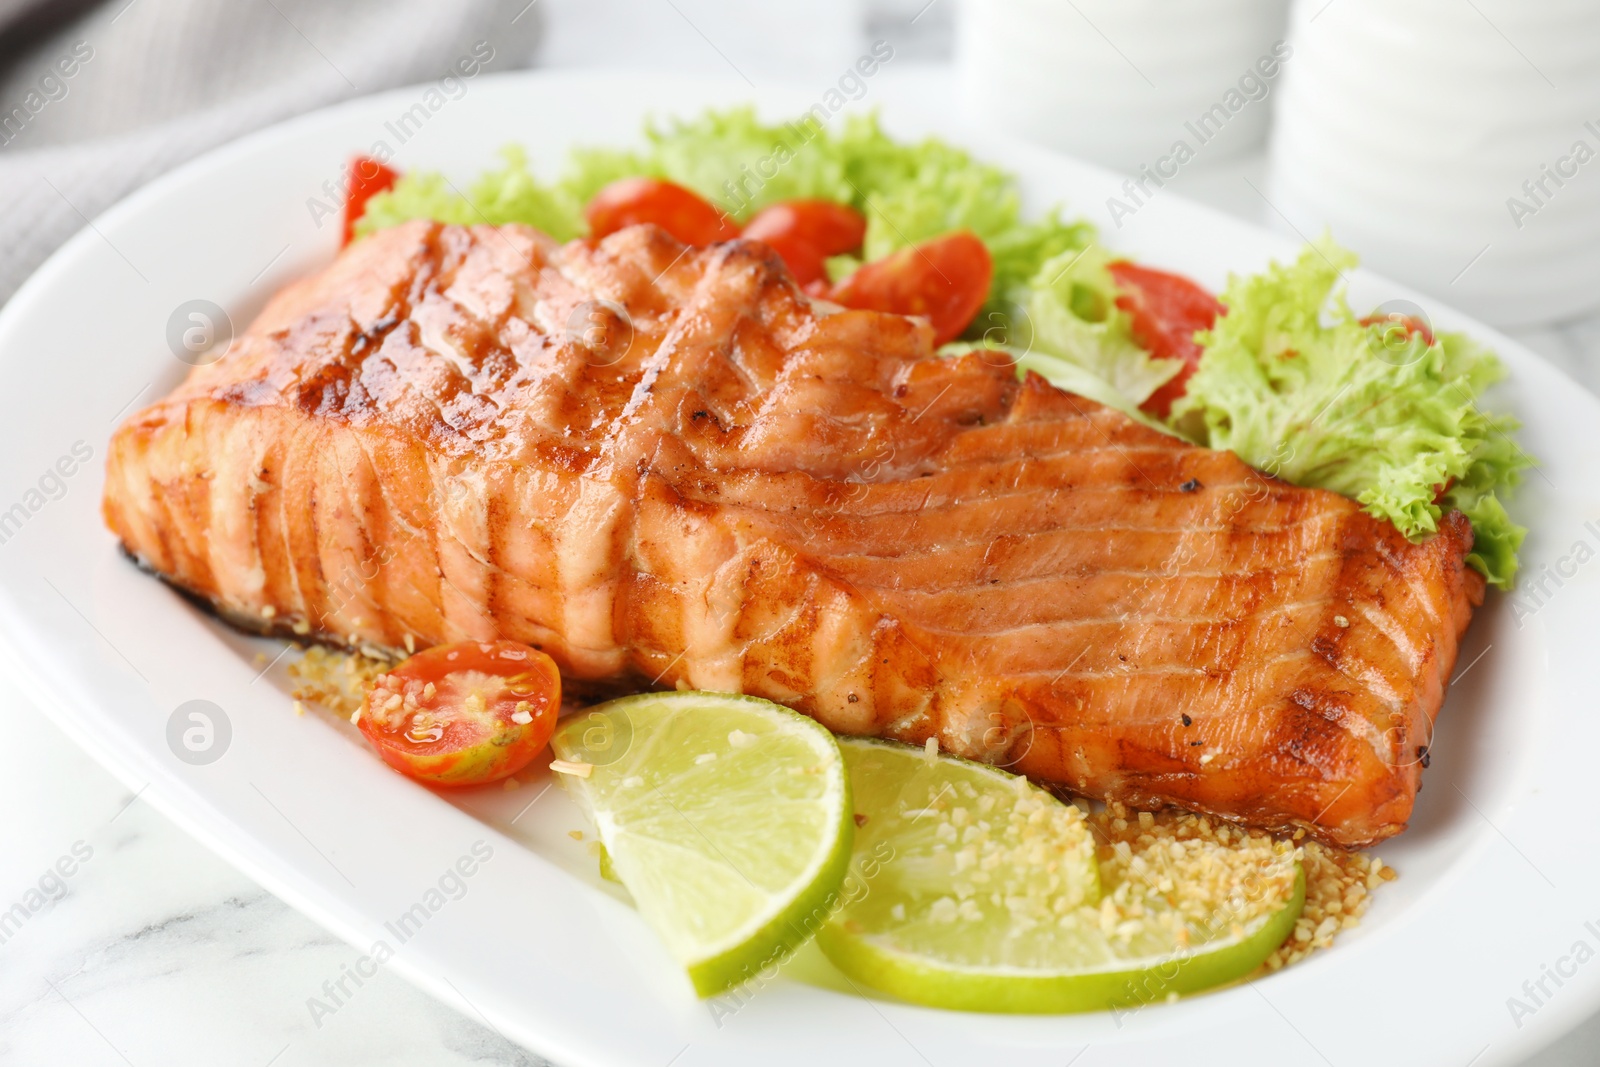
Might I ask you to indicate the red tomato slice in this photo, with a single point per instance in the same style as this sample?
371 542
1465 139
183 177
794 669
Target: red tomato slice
1167 309
463 714
806 232
945 279
683 214
368 178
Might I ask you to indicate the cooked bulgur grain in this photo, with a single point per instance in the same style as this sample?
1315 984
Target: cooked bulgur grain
1339 888
1176 875
1193 863
335 680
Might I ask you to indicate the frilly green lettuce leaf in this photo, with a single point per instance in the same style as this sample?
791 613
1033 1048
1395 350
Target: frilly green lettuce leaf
908 191
1073 314
1061 373
1295 385
510 193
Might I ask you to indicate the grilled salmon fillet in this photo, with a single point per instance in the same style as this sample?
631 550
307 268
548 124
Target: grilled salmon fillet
664 467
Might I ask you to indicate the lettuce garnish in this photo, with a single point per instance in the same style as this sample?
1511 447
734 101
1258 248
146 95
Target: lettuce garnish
908 191
1073 314
509 193
1294 384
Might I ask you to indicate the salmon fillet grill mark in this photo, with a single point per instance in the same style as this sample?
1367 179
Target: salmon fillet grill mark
449 433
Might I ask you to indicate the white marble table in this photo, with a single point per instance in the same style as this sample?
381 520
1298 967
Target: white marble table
159 953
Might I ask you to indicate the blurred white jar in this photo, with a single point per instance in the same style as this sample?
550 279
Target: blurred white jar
1455 146
1121 81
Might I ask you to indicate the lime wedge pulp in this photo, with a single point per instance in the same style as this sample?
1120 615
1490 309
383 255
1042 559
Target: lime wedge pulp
727 818
971 889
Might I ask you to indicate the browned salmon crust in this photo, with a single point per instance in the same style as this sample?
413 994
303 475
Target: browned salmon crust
457 433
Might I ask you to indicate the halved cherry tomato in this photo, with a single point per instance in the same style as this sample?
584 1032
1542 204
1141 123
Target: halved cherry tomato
806 232
368 178
463 714
683 214
945 279
1167 309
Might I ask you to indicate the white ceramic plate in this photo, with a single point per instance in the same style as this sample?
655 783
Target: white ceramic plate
1497 872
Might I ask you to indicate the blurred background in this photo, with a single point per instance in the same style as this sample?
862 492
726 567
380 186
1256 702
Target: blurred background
1452 143
1448 141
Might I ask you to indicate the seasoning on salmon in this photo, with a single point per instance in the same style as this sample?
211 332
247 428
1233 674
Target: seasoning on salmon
663 467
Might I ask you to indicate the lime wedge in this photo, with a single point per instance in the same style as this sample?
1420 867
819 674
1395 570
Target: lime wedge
727 818
971 889
607 871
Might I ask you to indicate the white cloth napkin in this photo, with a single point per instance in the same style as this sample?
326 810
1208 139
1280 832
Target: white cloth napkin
97 99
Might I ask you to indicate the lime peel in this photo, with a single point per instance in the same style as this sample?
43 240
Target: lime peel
1128 936
727 818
